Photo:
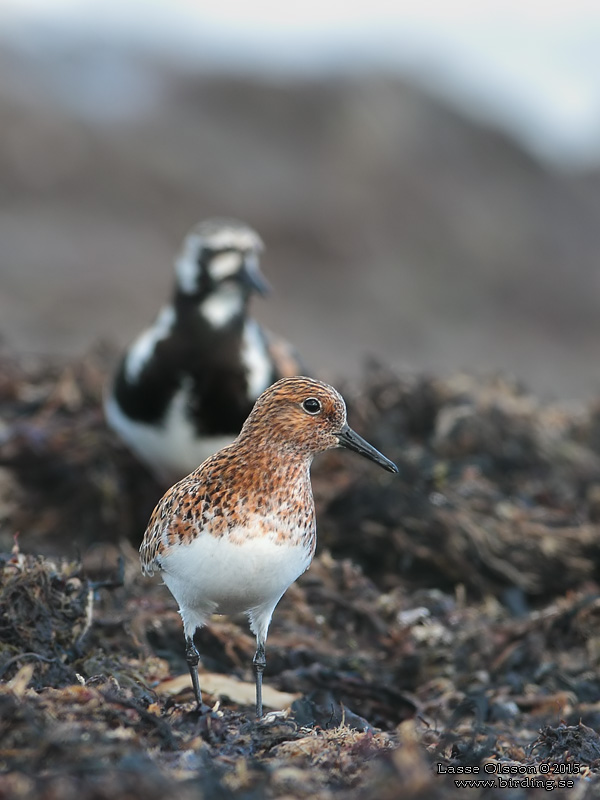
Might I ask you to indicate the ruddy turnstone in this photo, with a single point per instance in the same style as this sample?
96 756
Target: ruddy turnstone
233 535
187 383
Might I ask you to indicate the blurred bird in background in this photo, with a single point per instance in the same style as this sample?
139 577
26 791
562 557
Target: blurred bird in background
186 384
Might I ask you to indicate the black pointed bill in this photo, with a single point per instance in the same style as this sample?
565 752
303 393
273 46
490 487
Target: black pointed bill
350 439
253 277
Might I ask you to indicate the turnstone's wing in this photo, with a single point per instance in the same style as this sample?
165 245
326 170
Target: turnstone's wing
284 356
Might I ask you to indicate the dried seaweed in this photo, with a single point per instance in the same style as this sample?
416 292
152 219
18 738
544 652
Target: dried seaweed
450 619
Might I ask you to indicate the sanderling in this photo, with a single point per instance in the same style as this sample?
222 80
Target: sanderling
186 385
233 535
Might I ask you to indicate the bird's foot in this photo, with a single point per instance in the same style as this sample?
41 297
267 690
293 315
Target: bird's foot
200 710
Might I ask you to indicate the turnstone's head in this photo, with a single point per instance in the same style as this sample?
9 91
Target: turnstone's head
220 254
304 416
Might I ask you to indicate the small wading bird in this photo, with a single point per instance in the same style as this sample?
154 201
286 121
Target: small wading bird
186 385
234 534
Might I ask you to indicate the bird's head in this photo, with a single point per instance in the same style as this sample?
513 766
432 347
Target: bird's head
218 267
304 416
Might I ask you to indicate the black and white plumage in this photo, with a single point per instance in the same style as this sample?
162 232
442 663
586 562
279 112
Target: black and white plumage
186 384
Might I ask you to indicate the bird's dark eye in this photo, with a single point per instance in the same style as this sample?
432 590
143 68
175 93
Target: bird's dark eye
311 405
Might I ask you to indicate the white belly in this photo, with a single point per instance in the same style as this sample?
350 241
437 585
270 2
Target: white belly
172 450
213 575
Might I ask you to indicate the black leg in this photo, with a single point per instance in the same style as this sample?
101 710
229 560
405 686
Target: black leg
259 662
193 657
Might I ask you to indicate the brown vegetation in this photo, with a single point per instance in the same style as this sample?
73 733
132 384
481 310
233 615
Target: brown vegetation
452 615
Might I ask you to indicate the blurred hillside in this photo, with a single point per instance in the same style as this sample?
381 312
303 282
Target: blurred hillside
393 226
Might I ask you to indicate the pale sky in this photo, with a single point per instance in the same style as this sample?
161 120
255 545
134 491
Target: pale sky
531 68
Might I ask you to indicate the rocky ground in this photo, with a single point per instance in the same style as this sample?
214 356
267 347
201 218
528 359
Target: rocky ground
392 225
451 617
